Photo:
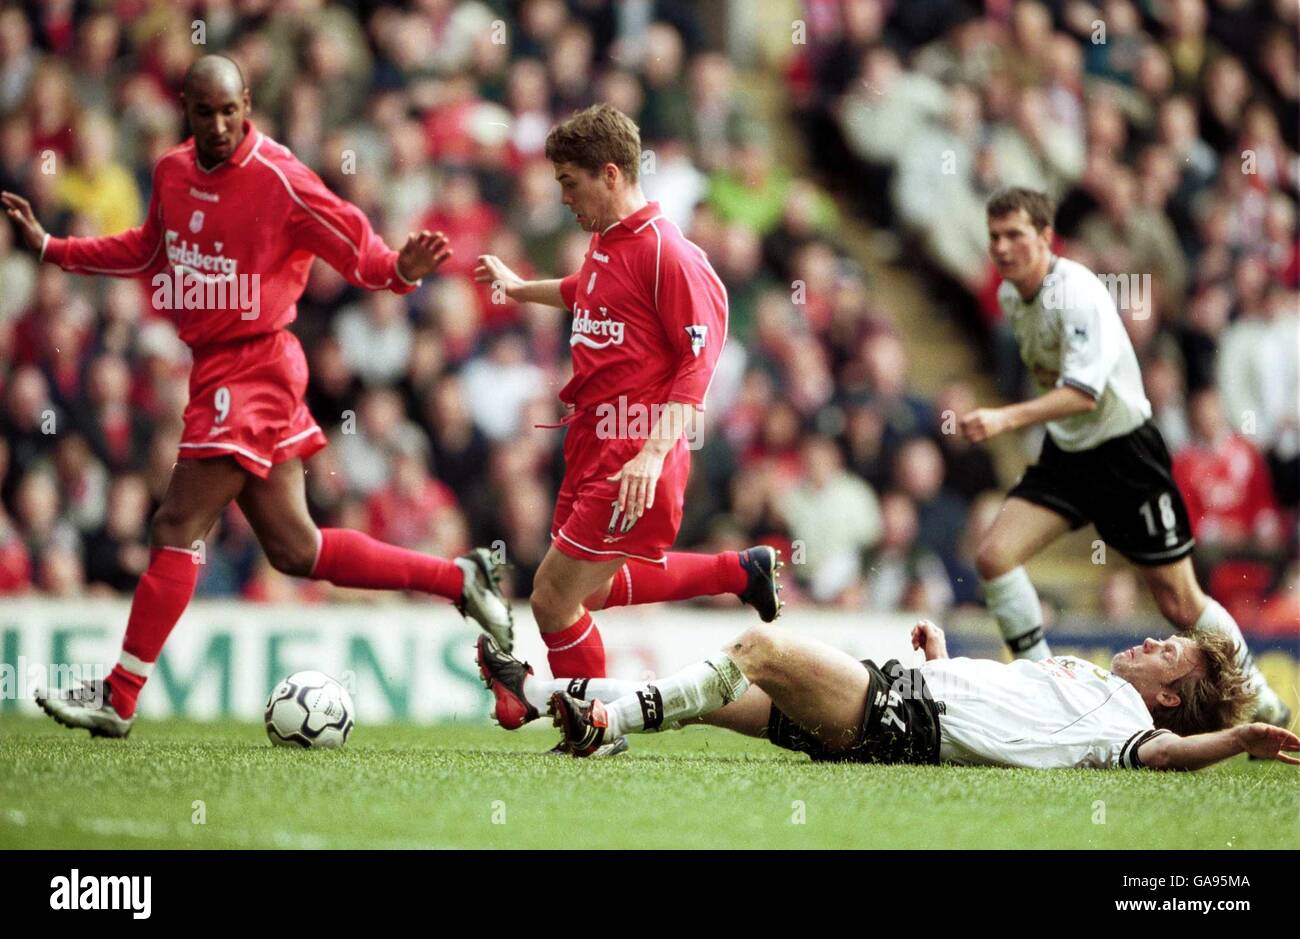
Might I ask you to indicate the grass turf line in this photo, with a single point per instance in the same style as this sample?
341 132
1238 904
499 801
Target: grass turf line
475 786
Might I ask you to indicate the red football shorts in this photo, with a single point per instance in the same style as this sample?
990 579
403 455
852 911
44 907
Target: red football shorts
246 401
587 524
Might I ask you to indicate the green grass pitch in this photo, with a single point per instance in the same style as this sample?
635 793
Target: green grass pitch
191 785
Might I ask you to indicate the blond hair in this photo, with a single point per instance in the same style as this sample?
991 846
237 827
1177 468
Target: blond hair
1214 695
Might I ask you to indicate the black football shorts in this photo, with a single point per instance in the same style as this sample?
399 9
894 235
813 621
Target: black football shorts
1125 486
901 724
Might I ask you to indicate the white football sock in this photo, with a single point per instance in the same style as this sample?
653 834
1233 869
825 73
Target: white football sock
538 691
1014 601
1215 618
664 703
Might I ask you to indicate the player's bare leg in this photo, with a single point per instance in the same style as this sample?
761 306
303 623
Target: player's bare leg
1182 601
276 508
1020 531
818 687
197 493
562 583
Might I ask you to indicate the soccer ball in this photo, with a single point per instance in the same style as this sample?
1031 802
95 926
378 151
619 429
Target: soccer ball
309 710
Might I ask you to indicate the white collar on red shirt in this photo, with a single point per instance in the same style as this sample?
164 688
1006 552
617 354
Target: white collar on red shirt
638 219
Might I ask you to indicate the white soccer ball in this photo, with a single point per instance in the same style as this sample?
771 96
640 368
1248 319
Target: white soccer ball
309 710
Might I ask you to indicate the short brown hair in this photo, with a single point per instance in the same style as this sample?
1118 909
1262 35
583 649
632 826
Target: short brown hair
1214 695
601 134
1036 204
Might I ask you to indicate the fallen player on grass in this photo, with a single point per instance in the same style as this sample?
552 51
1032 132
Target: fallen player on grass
1165 704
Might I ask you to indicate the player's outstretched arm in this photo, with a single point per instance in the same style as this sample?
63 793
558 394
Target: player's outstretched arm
420 256
127 254
1169 751
20 210
983 423
492 270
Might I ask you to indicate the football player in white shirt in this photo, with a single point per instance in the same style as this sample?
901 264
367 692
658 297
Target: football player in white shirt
1103 460
1164 704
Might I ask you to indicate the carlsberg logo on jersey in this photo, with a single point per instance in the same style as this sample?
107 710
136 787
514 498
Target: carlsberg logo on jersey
608 331
185 255
191 287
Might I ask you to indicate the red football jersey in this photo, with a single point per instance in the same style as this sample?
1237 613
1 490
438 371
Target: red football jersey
225 252
649 316
1228 489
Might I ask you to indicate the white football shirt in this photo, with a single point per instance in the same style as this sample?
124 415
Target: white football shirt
1070 334
1058 713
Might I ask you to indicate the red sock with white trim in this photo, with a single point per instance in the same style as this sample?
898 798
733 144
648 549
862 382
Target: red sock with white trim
350 558
161 596
576 652
683 577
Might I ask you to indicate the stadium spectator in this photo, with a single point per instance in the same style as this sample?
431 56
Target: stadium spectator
834 517
929 104
375 338
941 513
118 553
83 480
901 574
368 439
1225 482
968 468
95 186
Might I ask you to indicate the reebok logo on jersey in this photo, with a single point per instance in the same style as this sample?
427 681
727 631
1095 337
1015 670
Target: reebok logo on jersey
602 258
595 333
205 196
698 334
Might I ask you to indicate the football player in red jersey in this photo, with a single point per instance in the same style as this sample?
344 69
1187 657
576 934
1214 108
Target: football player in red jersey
234 222
649 322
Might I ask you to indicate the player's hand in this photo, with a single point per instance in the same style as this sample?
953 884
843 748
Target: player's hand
1267 742
20 210
929 638
492 270
422 254
983 423
638 479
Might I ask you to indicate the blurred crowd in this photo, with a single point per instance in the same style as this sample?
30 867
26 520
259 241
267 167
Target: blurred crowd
1166 131
433 114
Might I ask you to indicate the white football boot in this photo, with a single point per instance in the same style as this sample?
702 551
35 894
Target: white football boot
88 706
482 600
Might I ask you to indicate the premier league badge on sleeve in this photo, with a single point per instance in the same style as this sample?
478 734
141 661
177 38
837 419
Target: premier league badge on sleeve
698 335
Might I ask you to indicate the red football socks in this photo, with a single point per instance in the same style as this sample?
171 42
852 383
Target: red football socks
160 598
683 577
576 652
353 559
